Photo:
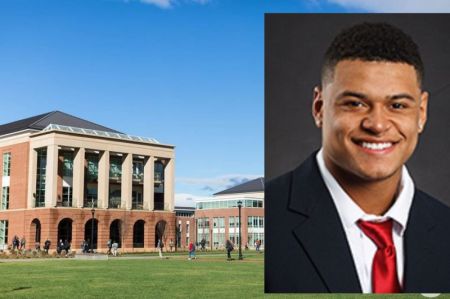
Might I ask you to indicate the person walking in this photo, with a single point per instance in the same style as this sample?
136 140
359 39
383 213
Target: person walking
160 246
47 244
22 243
192 251
109 245
203 243
115 248
229 246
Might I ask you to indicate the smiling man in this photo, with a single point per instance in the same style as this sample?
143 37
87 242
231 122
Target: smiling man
350 219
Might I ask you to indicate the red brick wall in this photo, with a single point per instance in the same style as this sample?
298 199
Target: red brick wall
20 224
245 212
18 185
192 235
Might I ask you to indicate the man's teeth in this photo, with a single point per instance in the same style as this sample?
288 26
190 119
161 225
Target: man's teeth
376 146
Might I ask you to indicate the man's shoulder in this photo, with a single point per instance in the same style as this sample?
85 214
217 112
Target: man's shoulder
437 208
303 170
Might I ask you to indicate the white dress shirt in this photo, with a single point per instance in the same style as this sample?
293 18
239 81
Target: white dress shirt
362 248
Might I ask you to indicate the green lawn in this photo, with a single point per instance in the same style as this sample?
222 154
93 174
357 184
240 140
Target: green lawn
207 277
210 276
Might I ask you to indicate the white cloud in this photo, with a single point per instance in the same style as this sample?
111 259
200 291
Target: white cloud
218 183
170 3
159 3
425 6
186 199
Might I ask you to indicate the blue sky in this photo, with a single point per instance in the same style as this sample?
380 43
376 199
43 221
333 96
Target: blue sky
187 72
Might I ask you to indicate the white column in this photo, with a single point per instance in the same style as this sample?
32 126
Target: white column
103 180
127 181
32 170
149 183
78 177
169 186
51 176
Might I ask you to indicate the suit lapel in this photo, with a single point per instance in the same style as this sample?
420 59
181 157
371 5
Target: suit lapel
419 237
321 233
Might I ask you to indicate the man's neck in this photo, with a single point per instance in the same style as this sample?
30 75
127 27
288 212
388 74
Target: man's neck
373 197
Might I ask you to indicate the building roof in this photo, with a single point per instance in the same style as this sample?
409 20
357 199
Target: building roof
256 185
39 122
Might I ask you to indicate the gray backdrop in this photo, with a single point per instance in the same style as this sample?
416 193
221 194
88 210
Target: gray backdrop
294 46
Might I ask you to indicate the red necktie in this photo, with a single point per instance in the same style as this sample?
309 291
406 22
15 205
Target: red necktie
384 266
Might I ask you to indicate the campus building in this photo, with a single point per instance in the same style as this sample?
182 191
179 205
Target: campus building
66 178
185 226
218 217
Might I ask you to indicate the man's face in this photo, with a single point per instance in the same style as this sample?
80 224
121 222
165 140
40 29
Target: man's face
371 114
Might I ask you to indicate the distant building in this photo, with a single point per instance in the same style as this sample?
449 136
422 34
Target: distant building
217 217
56 169
185 226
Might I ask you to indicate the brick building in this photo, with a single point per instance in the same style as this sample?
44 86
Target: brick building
217 218
185 229
67 178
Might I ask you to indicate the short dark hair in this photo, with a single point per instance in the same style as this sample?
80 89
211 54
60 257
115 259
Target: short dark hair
373 42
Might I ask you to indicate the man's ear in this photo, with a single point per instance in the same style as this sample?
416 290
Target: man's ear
317 106
423 111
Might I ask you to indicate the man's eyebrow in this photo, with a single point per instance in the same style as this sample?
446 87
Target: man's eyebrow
401 96
362 96
353 94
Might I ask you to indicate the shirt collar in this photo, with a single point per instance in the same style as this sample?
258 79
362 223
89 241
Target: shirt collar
350 212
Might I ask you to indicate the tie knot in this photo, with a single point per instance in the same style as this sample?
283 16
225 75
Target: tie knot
379 232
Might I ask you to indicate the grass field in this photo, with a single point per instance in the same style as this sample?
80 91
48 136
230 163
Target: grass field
210 276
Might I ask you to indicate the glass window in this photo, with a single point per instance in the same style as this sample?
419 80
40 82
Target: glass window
6 164
67 196
40 177
231 221
115 167
138 170
67 164
159 172
5 198
4 232
92 167
250 221
137 200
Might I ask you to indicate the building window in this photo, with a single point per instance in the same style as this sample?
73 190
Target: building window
203 231
138 170
92 167
137 200
255 221
5 198
6 164
67 196
3 234
114 198
231 221
67 164
159 172
252 237
40 177
223 204
115 167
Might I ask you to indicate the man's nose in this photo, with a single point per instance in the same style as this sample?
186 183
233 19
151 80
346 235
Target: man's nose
376 121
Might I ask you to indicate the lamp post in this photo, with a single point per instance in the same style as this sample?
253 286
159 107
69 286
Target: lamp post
92 226
239 203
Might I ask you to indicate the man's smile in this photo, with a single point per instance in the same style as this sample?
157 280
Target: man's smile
375 146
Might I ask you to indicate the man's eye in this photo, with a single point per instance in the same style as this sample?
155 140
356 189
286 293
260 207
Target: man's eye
398 106
355 104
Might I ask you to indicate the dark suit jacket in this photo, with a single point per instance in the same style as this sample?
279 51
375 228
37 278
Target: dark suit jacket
307 250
